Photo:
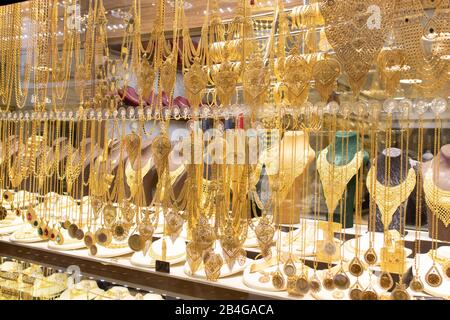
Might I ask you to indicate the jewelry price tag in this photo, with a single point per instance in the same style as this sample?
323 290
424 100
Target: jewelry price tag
162 266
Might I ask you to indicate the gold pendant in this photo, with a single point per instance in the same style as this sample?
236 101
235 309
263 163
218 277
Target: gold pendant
72 230
135 242
356 292
160 148
446 268
302 284
213 263
328 282
193 256
195 81
356 268
341 280
225 79
255 80
59 238
120 231
93 250
89 239
203 234
264 234
174 225
289 268
8 196
168 74
145 79
416 284
433 277
296 78
109 214
386 281
369 294
370 256
325 73
31 217
66 224
400 293
278 281
79 234
103 236
314 283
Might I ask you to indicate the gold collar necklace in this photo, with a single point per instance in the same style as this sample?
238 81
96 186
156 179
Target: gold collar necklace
335 178
437 199
389 201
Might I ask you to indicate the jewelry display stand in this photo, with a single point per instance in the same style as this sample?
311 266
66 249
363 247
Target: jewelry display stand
113 251
83 290
396 178
26 234
345 151
69 243
175 253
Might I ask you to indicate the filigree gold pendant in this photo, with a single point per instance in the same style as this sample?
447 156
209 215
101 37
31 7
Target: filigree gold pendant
386 281
400 293
433 277
193 256
302 284
325 73
264 234
341 280
135 242
356 268
203 234
109 215
291 286
328 282
416 284
146 230
174 225
314 283
213 265
289 268
355 292
370 256
278 281
120 231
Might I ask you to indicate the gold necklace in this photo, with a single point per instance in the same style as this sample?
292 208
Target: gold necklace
437 199
388 202
335 178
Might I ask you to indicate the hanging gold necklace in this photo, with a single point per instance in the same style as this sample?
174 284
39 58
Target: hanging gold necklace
437 199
